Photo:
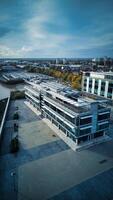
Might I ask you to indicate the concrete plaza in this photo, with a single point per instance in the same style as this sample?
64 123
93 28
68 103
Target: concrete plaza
46 168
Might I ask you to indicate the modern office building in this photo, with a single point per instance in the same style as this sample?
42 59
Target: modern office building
79 117
97 83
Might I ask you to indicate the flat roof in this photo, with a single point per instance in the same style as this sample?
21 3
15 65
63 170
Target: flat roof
71 99
100 73
78 103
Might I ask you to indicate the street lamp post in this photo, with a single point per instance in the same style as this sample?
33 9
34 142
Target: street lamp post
13 174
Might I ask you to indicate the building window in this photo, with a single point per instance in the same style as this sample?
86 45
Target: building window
82 139
85 121
90 85
104 116
102 88
110 89
96 87
103 126
62 129
98 134
85 131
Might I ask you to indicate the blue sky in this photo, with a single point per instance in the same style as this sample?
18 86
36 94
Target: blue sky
56 28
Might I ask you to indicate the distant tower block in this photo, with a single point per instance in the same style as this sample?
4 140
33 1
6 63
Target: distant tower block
64 61
57 61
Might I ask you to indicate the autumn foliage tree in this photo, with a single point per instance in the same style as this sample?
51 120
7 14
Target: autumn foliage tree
67 77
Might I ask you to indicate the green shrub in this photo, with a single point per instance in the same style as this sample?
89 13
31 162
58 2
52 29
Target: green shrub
15 127
14 145
16 116
18 94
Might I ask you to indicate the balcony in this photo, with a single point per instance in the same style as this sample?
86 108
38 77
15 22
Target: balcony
71 110
33 91
33 98
60 106
60 117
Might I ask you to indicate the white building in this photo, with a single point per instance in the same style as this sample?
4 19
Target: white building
97 83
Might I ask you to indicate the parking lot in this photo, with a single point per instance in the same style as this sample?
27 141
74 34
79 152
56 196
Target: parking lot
45 167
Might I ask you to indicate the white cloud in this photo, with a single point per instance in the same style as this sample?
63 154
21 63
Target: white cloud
9 52
40 38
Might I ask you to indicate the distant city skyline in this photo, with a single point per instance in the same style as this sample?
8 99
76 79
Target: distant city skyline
56 28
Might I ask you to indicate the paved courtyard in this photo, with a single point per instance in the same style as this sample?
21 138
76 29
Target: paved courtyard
46 168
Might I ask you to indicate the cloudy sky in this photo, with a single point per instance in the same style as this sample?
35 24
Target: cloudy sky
56 28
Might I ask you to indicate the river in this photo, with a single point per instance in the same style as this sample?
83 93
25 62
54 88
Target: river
6 89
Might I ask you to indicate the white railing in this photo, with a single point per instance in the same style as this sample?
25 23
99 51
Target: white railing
4 116
32 91
58 105
33 98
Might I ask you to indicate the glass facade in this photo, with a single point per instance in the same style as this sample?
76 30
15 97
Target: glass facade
60 112
86 121
103 116
85 131
60 121
103 126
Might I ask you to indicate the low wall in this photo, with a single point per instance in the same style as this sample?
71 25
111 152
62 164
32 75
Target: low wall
4 116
